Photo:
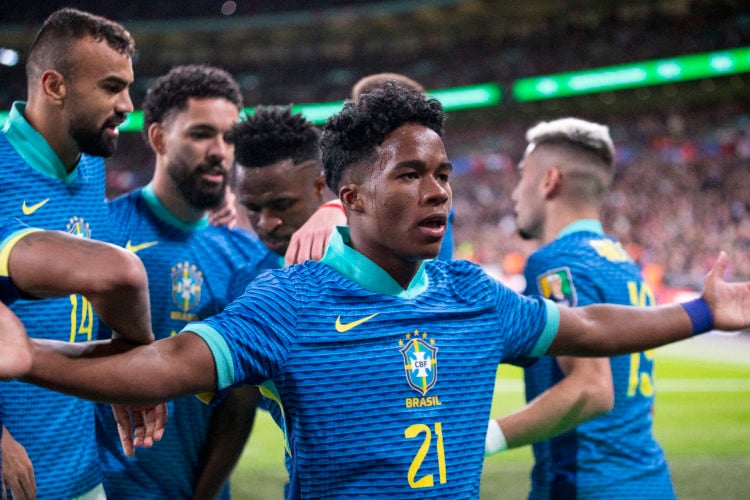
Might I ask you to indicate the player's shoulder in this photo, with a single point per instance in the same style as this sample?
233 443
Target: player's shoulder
239 239
125 200
463 280
455 268
126 207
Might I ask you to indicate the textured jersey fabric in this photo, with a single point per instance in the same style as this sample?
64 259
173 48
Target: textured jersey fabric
386 392
11 232
614 456
56 430
189 267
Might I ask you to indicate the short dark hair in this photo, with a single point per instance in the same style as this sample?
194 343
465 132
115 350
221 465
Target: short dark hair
171 92
51 47
370 82
273 133
351 137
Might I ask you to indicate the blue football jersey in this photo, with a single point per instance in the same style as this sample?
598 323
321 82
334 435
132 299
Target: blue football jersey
11 232
56 430
386 392
614 456
189 267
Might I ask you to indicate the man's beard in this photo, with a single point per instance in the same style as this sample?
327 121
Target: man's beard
94 142
188 184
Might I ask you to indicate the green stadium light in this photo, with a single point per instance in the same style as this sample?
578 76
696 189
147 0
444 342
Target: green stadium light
473 96
641 74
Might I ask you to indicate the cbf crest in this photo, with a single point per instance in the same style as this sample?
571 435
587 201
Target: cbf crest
187 281
420 361
79 227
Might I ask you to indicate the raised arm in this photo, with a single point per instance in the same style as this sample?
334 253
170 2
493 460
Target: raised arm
606 330
53 264
144 375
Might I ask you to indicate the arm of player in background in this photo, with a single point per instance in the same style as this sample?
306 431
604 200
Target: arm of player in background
226 214
309 242
111 278
18 471
586 391
231 423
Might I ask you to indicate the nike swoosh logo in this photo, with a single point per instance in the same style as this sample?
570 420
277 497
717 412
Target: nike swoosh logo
345 327
30 209
142 246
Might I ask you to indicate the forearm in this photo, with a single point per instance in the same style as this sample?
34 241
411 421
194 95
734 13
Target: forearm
230 426
608 330
127 311
101 371
111 278
563 407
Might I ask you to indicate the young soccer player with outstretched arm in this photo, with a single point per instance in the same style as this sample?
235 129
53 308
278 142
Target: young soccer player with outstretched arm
383 358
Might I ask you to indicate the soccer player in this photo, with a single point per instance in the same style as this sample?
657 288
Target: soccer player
565 174
79 71
278 178
310 241
383 357
188 119
38 264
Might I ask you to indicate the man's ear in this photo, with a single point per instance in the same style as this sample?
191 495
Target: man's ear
53 86
156 138
553 179
351 198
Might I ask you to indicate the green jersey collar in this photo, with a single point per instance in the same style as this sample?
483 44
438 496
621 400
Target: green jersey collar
163 214
33 147
588 225
358 268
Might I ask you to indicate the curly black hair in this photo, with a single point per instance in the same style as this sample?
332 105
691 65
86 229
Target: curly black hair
171 92
351 137
273 133
51 47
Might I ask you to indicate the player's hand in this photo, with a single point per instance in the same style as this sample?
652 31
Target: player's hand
139 426
309 241
729 302
18 471
226 214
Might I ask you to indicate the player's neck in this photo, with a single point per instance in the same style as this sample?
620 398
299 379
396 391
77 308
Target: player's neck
176 204
562 218
45 123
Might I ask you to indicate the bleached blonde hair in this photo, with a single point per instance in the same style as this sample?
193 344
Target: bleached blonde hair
593 137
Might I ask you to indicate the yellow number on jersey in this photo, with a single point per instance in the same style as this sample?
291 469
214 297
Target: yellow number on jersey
641 369
81 323
426 481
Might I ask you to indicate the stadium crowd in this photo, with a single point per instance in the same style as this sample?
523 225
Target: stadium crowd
682 190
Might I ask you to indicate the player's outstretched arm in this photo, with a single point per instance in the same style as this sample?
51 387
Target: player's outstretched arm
53 264
606 330
143 375
309 242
